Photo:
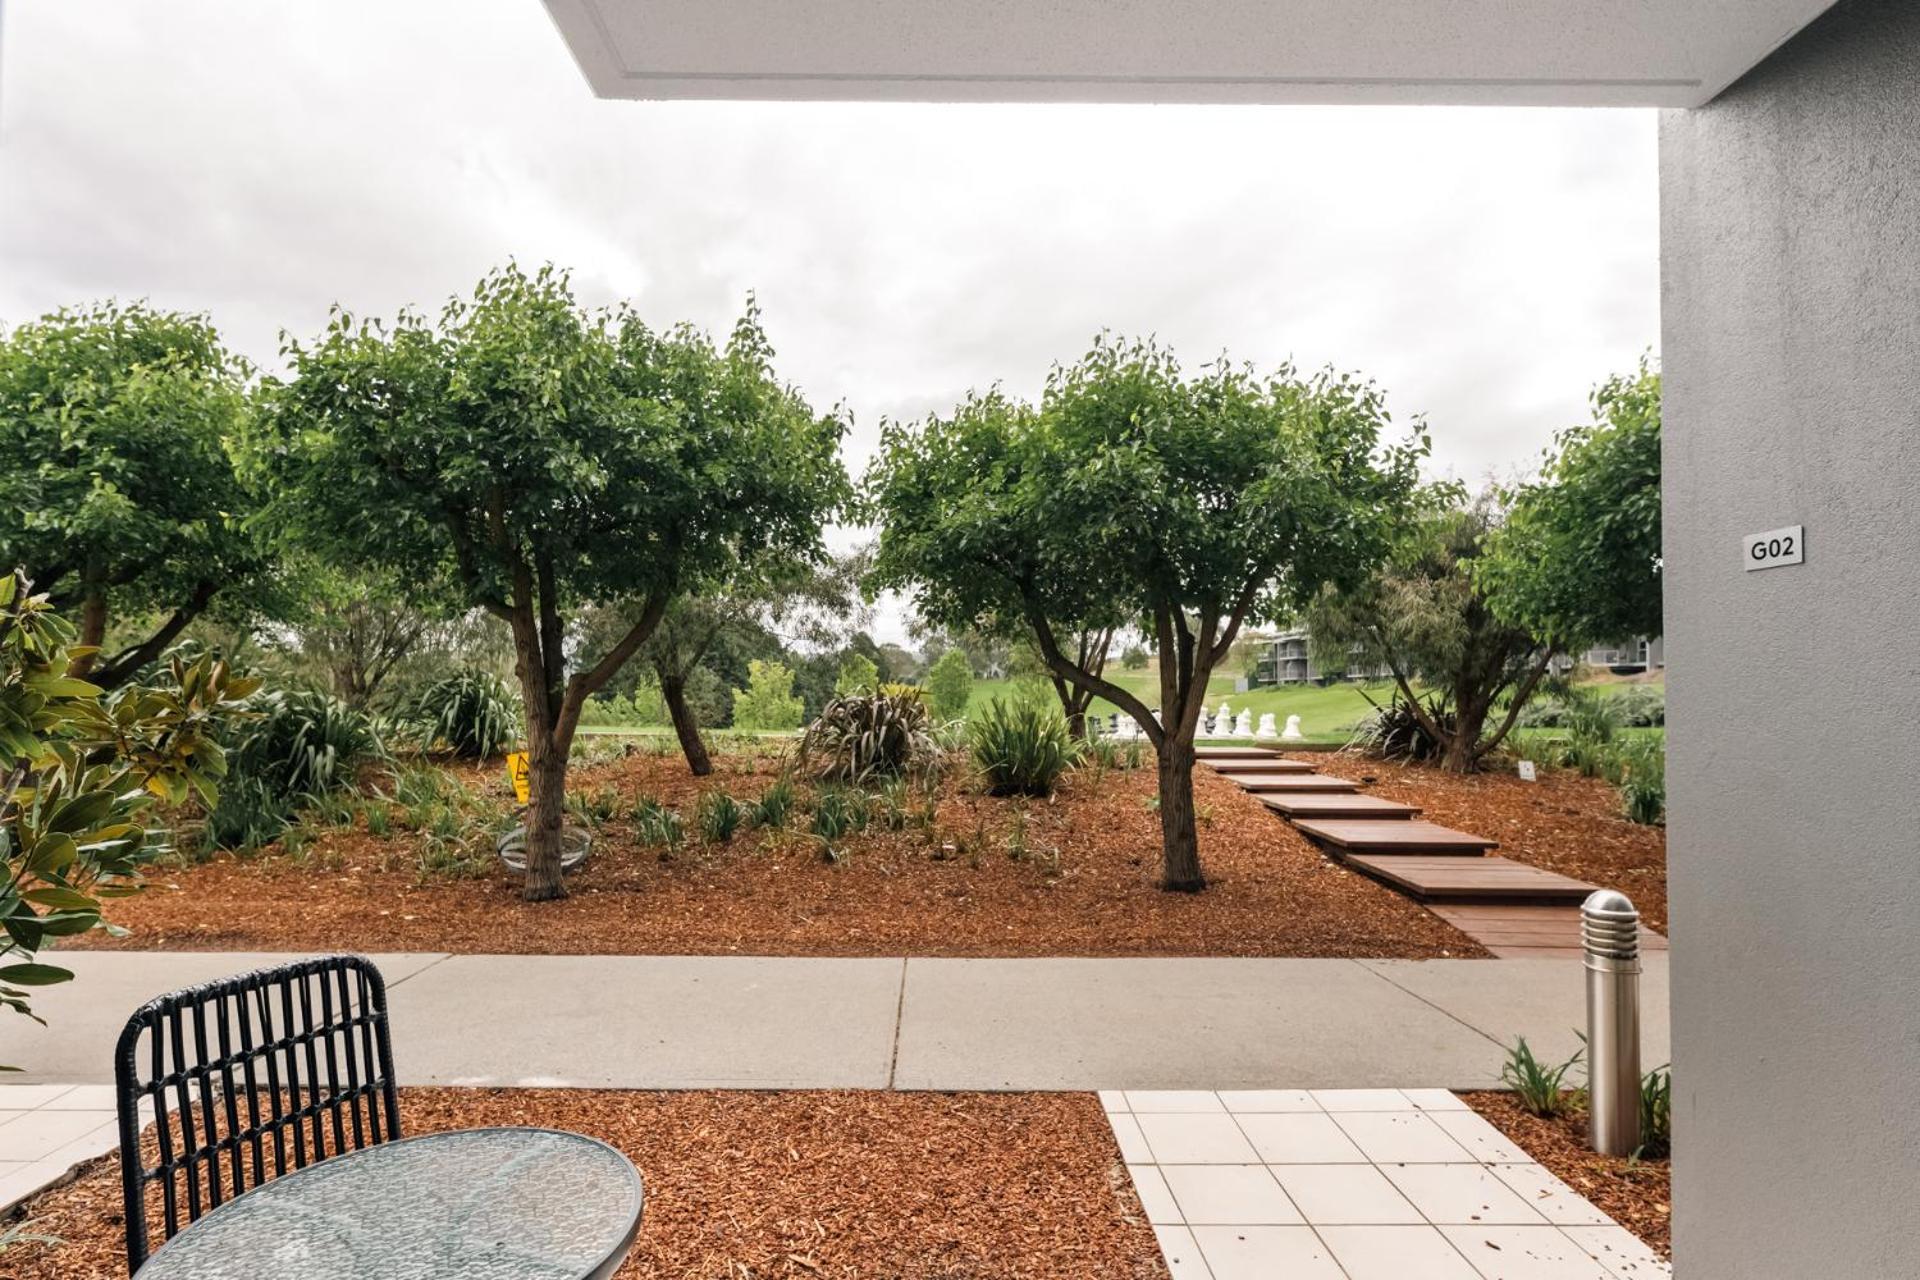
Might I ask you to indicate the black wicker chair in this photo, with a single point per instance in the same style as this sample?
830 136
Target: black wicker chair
249 1076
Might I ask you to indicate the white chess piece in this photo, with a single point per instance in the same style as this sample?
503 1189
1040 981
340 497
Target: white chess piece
1266 727
1292 732
1243 727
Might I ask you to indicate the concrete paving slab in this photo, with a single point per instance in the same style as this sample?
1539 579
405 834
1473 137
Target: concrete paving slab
1177 1023
649 1022
84 1016
1543 1000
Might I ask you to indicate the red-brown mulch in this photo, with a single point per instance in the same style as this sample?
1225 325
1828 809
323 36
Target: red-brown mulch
1637 1194
751 1186
1563 822
1086 884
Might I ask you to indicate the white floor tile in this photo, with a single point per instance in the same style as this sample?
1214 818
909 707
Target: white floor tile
1436 1099
1553 1199
1154 1196
1461 1194
1341 1194
1133 1145
1524 1253
1266 1253
1482 1140
1618 1250
1396 1253
39 1134
1297 1138
1112 1100
1172 1100
1401 1137
1229 1195
1182 1253
84 1097
1257 1100
1362 1100
1196 1139
21 1178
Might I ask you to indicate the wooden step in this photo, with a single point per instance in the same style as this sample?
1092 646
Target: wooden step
1264 764
1332 804
1291 783
1480 880
1234 753
1516 932
1356 835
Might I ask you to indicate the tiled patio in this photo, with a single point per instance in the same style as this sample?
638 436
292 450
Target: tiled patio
46 1129
1355 1184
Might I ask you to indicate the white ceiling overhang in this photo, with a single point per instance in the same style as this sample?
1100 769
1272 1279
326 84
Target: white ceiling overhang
1639 53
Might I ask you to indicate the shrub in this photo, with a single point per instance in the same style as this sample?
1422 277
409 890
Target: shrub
867 736
1538 1087
250 814
285 749
1133 658
768 703
858 674
774 805
719 816
1656 1115
472 712
1639 769
950 685
1022 746
658 825
1394 732
839 812
1641 706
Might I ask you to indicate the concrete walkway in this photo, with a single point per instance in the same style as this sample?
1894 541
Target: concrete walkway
681 1022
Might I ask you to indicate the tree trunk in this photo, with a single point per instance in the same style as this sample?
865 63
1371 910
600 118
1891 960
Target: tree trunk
546 818
93 630
674 693
1462 754
1180 842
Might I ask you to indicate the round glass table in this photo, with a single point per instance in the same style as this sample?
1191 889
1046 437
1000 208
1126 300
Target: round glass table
479 1204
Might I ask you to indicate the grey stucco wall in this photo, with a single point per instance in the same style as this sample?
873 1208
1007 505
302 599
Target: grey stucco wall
1790 229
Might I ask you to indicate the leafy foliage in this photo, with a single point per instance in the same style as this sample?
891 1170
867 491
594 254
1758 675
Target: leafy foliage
117 494
868 736
1192 503
1417 727
78 773
719 816
1021 746
1656 1114
1579 559
1537 1086
471 711
767 704
538 456
858 674
771 809
950 685
287 749
1424 616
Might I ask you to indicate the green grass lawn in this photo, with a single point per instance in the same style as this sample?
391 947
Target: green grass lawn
1326 714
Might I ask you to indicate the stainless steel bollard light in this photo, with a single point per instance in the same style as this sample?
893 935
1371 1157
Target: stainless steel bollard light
1610 928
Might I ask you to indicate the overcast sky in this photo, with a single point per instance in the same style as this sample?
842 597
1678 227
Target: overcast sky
260 161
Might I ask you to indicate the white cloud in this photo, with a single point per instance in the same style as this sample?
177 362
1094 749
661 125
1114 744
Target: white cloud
264 161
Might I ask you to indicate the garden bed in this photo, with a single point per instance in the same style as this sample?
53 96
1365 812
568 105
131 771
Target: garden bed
1638 1194
1563 822
1076 875
751 1186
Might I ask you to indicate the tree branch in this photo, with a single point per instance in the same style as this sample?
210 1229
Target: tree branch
125 663
1057 662
1518 703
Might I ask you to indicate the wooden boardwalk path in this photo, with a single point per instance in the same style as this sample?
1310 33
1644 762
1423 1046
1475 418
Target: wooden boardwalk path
1513 909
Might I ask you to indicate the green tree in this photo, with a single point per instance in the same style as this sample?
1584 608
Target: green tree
858 674
767 704
1194 503
541 458
117 492
78 774
1425 617
950 685
1579 558
1134 657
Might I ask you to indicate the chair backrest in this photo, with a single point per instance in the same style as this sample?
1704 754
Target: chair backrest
249 1077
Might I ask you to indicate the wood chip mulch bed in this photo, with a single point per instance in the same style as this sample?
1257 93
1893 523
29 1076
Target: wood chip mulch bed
1085 884
750 1186
1563 822
1636 1194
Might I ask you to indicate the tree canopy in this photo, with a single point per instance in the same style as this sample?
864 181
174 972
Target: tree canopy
117 492
543 457
1579 557
1134 492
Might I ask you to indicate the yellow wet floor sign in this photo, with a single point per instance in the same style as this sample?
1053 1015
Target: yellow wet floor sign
517 775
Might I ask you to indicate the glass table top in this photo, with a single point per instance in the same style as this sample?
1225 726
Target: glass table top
481 1204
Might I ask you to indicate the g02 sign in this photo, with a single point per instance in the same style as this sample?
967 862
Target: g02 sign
1774 548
